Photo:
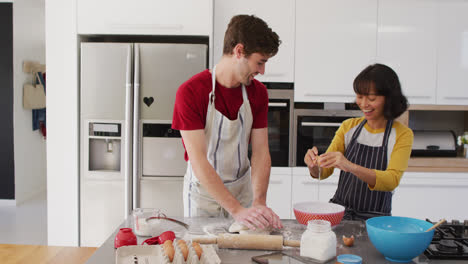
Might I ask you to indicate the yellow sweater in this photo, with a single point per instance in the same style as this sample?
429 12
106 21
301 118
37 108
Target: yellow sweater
399 150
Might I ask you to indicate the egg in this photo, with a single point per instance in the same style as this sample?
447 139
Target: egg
197 249
348 241
318 160
183 248
169 250
167 243
179 242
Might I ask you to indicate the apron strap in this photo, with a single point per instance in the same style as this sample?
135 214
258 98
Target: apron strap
388 130
356 133
211 98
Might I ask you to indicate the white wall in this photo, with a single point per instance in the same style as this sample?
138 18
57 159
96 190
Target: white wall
62 122
29 146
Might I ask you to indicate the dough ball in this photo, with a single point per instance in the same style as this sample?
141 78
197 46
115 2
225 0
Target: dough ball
265 231
237 227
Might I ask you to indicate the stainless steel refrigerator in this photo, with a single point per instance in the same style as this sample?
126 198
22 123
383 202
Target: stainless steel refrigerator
129 155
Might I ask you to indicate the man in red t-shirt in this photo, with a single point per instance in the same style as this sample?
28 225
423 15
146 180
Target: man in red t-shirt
219 113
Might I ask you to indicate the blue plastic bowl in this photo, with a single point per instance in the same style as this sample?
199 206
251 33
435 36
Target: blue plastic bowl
399 239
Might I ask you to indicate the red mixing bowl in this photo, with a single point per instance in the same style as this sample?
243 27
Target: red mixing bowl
307 211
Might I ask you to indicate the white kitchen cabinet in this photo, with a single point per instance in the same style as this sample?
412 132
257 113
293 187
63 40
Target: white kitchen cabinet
279 192
305 188
431 195
407 42
145 17
452 56
279 15
102 207
335 40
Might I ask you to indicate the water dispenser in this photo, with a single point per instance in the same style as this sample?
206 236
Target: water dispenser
104 146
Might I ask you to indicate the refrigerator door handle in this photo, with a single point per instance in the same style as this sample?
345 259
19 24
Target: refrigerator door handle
136 126
128 132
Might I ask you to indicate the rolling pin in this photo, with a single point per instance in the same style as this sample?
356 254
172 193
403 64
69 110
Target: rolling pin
261 242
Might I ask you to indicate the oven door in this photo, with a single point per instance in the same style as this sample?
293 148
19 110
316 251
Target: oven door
278 131
317 130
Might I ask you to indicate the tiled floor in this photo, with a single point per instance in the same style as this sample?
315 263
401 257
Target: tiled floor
25 223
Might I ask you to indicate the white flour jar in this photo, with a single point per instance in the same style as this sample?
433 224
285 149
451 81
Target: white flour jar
318 241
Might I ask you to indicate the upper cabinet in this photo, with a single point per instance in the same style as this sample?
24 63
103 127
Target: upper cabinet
335 40
452 56
407 42
424 41
145 17
279 15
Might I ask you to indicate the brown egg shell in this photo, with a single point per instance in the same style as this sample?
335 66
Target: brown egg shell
348 241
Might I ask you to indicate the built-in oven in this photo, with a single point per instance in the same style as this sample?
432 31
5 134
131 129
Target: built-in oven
316 127
280 116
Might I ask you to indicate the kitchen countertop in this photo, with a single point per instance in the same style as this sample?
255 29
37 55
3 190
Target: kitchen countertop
292 230
440 164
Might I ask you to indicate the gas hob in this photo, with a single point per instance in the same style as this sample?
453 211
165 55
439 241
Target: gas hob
450 241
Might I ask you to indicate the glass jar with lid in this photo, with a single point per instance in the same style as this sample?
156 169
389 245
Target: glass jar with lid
318 241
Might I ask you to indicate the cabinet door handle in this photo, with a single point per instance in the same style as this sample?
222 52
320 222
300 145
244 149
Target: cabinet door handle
276 182
274 74
116 26
455 97
419 96
328 124
273 104
330 95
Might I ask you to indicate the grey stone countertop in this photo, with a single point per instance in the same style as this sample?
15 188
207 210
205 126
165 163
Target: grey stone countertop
292 231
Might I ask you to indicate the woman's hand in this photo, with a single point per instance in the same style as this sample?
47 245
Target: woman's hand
335 160
311 160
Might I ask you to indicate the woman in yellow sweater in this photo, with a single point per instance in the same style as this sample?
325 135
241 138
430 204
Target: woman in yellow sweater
372 151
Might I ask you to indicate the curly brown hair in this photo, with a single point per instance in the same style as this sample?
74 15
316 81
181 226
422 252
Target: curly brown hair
253 33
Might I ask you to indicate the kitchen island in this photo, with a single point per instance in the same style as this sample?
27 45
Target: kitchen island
292 230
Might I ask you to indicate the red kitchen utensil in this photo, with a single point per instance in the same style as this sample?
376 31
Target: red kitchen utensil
125 237
307 211
159 240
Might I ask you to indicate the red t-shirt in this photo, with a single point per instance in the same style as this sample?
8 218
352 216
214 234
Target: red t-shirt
191 104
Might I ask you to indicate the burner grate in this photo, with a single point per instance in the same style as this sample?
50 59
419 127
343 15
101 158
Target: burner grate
450 241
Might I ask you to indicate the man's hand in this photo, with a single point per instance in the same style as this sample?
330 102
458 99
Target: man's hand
274 219
257 217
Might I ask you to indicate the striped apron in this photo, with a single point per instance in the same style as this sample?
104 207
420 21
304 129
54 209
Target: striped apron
227 143
360 202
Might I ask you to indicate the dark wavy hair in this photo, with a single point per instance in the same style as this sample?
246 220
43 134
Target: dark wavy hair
386 83
253 33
